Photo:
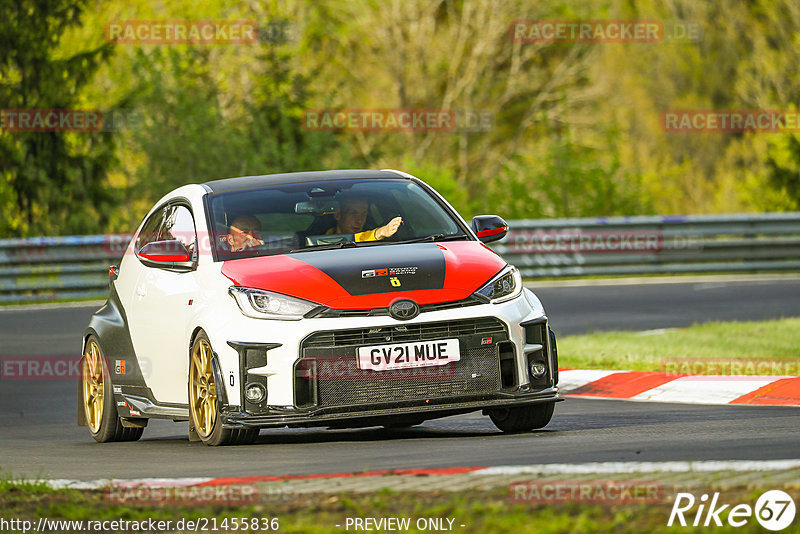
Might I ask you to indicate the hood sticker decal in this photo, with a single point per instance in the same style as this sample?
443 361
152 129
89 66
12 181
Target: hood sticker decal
381 269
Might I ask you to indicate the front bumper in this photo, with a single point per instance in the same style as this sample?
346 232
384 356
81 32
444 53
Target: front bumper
233 417
275 366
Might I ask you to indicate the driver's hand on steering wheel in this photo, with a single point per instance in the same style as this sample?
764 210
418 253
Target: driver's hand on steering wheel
389 228
252 242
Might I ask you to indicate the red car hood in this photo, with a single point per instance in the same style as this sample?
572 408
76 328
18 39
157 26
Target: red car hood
374 276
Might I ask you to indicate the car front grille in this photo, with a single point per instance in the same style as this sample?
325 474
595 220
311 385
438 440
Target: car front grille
402 333
323 312
327 375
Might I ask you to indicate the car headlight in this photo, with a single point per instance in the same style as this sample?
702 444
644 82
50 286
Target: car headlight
504 286
267 305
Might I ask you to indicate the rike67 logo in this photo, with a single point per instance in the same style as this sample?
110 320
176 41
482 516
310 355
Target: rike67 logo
774 510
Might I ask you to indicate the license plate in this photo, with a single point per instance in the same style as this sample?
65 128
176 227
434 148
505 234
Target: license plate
408 355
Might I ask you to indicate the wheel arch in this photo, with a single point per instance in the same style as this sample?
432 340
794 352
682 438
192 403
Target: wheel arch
197 329
215 363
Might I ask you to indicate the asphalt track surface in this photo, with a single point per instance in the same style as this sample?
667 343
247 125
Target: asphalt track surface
39 437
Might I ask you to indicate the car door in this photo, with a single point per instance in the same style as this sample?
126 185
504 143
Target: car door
163 297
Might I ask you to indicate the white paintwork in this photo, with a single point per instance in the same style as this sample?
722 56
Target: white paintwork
156 304
162 324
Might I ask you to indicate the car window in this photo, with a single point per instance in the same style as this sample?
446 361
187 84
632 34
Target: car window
294 218
151 227
171 222
421 211
179 225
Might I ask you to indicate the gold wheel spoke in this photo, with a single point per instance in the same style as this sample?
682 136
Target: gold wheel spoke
202 392
96 367
98 412
198 363
206 359
87 390
92 378
209 416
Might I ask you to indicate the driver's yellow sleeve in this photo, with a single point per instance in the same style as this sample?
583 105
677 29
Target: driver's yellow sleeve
369 235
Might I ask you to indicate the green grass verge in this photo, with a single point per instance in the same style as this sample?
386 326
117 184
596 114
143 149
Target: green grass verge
768 347
10 483
479 511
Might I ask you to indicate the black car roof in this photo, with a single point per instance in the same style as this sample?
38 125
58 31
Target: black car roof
253 182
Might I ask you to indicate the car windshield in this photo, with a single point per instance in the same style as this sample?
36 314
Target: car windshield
319 215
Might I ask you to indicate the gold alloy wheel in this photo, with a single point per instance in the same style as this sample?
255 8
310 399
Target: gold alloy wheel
93 386
202 391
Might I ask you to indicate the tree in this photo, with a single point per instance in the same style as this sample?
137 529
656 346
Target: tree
52 181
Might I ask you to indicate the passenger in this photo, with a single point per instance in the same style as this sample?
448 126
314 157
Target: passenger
351 217
244 233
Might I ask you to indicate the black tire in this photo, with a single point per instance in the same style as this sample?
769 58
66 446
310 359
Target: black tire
203 401
102 418
523 418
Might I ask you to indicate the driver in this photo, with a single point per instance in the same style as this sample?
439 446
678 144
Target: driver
351 217
244 233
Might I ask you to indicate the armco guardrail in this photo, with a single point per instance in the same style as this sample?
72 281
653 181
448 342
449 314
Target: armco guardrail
49 268
73 267
653 245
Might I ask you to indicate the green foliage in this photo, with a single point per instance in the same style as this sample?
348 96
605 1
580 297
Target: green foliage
784 167
51 182
189 135
576 126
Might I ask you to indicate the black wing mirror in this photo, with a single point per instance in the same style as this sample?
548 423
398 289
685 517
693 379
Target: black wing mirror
489 228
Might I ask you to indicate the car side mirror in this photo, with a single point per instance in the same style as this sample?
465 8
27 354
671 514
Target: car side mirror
171 255
489 228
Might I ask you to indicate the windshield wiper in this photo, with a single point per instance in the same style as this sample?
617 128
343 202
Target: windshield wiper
435 237
327 246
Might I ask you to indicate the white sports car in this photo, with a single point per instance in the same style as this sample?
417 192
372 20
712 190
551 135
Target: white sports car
335 299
